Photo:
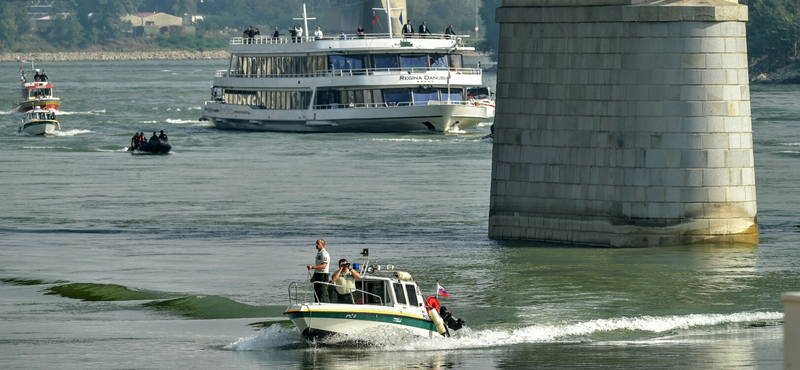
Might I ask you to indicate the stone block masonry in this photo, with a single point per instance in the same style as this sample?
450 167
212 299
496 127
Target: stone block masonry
623 123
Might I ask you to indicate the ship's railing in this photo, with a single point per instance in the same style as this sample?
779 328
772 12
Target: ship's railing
295 294
266 39
394 105
355 72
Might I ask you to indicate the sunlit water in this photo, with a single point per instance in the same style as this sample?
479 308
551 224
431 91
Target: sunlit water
183 261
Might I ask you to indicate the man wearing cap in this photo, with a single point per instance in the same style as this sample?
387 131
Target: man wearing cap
320 272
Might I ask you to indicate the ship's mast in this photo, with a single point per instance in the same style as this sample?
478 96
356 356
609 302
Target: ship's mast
388 11
305 21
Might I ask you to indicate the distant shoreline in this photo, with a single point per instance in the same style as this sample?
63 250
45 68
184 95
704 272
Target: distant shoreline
114 56
80 56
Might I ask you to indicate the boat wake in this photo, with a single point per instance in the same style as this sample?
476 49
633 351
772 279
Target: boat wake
93 112
71 132
649 327
176 120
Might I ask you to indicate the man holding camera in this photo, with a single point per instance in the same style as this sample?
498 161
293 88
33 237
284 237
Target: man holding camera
320 272
345 280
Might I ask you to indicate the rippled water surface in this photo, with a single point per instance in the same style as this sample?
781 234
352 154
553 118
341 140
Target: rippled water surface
109 260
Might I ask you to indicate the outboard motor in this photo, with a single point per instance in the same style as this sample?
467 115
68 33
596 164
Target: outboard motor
452 322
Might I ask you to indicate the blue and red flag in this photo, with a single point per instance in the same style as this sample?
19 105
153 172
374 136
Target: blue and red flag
374 18
442 291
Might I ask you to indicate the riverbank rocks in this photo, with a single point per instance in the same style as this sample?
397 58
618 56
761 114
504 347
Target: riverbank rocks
114 55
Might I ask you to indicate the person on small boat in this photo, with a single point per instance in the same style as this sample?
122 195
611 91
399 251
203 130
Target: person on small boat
141 138
345 280
154 137
163 136
135 141
320 272
43 76
37 76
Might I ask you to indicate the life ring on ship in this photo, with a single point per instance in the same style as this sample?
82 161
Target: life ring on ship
432 302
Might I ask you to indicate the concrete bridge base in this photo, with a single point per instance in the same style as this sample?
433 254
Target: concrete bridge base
623 123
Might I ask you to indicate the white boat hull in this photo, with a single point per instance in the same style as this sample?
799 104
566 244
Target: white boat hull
320 320
38 127
436 118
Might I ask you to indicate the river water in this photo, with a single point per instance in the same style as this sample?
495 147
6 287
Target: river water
109 260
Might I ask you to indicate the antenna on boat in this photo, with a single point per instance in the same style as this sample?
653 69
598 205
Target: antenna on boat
388 9
365 259
305 20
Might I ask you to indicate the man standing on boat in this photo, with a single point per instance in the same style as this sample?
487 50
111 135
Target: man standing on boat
423 29
321 272
408 29
450 32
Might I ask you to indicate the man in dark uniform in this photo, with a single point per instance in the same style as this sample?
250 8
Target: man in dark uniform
423 29
276 34
408 29
163 136
43 76
135 140
450 31
154 137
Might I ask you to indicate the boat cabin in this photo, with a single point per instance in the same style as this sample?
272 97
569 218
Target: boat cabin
377 291
37 90
39 115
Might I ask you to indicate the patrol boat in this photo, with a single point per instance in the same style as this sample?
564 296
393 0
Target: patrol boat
38 121
381 82
383 297
36 94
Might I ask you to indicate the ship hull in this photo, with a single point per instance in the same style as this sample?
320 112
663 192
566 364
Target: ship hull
430 118
44 104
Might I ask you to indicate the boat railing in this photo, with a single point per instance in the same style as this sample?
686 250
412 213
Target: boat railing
392 104
295 294
334 72
267 40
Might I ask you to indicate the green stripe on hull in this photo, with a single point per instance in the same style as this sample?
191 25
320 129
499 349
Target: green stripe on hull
391 319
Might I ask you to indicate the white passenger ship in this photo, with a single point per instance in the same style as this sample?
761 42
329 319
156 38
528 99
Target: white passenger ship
363 83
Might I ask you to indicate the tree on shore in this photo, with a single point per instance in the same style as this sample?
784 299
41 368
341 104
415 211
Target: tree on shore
772 33
13 22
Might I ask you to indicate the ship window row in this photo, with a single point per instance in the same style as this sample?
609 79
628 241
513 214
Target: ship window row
289 66
269 99
337 98
384 98
306 66
35 93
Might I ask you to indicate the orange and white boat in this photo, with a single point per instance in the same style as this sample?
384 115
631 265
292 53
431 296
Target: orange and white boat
36 94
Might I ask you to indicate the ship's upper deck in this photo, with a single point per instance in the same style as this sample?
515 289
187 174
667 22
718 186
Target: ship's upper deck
371 43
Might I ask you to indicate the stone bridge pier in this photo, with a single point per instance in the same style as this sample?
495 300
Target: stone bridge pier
623 123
